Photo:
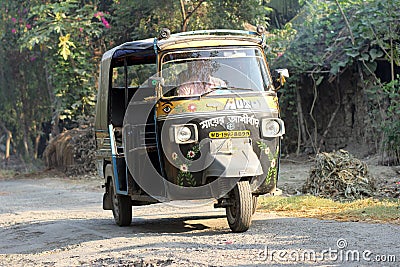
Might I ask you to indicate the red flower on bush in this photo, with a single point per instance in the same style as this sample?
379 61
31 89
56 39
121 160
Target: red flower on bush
100 15
105 22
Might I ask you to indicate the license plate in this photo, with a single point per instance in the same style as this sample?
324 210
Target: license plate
229 134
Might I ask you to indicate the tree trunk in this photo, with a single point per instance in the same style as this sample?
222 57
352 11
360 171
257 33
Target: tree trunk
54 124
25 137
8 142
36 151
186 15
26 146
54 103
302 135
184 19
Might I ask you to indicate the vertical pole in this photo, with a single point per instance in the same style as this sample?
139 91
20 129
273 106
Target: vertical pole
126 83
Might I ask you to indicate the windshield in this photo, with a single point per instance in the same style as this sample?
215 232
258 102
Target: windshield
214 71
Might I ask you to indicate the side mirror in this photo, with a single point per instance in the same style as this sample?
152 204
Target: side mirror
165 33
279 78
153 82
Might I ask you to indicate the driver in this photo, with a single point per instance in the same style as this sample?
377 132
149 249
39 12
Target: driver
200 80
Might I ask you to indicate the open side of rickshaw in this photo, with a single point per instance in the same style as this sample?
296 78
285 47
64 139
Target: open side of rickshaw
188 116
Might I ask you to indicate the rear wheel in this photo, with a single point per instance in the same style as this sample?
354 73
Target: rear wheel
121 207
241 209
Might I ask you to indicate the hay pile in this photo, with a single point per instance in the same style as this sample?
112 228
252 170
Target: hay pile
72 151
338 175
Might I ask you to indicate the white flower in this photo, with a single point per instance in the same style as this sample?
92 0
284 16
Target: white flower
184 168
174 156
273 163
267 150
191 154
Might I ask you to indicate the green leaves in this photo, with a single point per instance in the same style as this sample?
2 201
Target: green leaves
391 126
374 53
67 33
322 41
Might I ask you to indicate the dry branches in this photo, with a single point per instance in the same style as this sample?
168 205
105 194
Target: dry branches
339 175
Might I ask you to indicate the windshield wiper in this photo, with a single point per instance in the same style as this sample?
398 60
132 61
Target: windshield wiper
213 89
241 88
225 88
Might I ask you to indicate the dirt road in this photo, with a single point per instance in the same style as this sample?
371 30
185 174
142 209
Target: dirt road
60 222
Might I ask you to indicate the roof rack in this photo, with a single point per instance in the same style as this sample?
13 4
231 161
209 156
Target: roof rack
166 33
217 31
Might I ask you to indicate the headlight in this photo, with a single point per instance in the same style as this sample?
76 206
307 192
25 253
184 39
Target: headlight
184 133
272 127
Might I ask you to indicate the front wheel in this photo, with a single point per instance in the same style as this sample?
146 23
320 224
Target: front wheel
121 207
240 211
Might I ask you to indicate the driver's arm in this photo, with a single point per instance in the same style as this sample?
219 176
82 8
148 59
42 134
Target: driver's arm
184 89
217 82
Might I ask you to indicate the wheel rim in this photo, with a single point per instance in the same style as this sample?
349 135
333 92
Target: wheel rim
232 210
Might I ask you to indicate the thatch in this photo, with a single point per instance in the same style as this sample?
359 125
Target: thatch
72 151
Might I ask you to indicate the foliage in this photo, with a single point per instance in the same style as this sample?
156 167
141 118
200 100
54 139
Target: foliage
133 20
65 33
328 37
22 97
324 41
283 11
49 68
391 126
153 15
51 49
384 111
233 13
278 41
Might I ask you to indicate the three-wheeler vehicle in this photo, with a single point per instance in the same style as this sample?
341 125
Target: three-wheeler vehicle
185 117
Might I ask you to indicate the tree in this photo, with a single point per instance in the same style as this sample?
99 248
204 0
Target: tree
178 15
332 38
49 65
23 102
66 34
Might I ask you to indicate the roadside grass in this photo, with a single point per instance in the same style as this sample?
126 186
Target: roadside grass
6 173
17 168
364 210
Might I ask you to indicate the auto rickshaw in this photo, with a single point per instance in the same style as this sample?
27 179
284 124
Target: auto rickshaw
188 116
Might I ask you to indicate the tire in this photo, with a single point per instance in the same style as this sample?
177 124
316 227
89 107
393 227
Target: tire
255 200
121 207
240 212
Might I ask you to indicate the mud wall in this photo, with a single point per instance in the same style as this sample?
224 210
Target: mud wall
340 115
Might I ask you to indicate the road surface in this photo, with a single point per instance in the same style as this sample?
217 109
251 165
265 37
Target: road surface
60 222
